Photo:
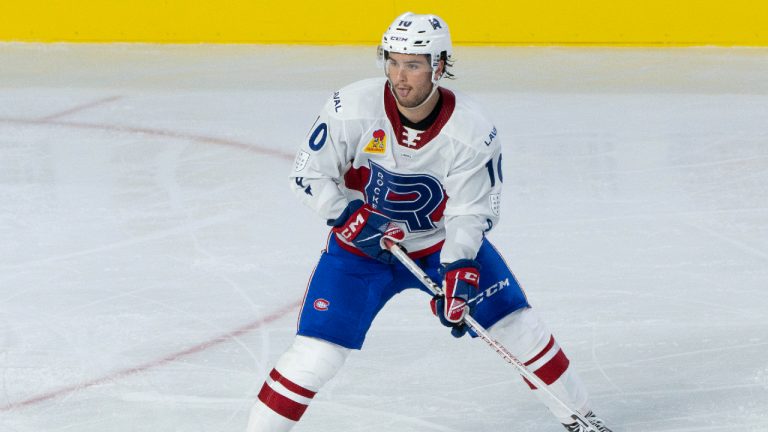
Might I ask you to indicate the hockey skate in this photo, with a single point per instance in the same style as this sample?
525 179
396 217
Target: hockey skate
594 420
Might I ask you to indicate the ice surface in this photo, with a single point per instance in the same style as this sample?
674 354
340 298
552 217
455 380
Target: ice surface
151 260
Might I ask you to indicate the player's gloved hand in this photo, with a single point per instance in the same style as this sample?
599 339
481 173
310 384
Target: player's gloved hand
460 283
366 228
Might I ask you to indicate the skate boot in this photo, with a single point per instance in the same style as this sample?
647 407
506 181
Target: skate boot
596 422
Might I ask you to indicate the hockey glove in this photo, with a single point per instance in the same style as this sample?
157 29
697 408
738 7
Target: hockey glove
366 228
460 283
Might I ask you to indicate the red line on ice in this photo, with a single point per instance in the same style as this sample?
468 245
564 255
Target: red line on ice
81 108
155 132
122 373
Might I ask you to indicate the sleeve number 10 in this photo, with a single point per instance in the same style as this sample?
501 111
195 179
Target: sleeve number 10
489 165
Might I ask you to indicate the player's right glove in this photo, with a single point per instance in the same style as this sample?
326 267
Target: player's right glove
366 228
460 283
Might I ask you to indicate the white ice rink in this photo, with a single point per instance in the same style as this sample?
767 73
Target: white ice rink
152 259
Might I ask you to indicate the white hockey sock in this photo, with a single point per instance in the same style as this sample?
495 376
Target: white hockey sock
526 336
299 373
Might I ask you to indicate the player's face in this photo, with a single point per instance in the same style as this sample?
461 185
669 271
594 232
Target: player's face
411 78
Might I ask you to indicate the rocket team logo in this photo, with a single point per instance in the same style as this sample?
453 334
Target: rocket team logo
413 199
378 144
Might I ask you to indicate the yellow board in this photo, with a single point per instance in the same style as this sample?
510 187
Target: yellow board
552 22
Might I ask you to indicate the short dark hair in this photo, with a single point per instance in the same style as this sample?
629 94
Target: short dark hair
448 64
443 56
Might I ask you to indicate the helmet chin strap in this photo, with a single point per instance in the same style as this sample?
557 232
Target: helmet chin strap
434 89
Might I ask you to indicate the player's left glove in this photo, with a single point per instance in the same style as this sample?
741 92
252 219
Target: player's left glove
366 228
460 283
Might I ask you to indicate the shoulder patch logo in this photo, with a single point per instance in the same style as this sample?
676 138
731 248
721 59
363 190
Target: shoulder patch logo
301 161
377 144
496 204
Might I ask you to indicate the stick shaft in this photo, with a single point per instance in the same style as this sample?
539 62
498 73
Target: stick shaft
483 334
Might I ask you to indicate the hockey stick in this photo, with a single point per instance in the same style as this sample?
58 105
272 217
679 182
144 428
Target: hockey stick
481 332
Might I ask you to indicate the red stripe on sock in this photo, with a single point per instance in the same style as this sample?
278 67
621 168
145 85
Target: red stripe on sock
280 404
552 370
544 351
290 385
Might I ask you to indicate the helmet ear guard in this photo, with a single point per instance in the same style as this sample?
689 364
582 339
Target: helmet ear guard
412 33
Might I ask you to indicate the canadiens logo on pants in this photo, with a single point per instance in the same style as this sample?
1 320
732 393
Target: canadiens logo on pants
321 304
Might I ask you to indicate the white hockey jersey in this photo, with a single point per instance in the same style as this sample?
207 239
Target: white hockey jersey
441 185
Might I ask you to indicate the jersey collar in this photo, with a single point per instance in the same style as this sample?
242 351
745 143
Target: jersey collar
424 137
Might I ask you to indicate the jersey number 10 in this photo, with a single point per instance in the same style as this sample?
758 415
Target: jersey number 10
489 165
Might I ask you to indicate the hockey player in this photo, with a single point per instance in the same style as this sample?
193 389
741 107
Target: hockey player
406 159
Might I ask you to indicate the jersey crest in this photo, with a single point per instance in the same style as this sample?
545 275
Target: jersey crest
414 199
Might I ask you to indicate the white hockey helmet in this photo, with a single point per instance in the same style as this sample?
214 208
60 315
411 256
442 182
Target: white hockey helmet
412 33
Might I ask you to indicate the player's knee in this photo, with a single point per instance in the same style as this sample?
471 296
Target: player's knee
311 362
523 332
